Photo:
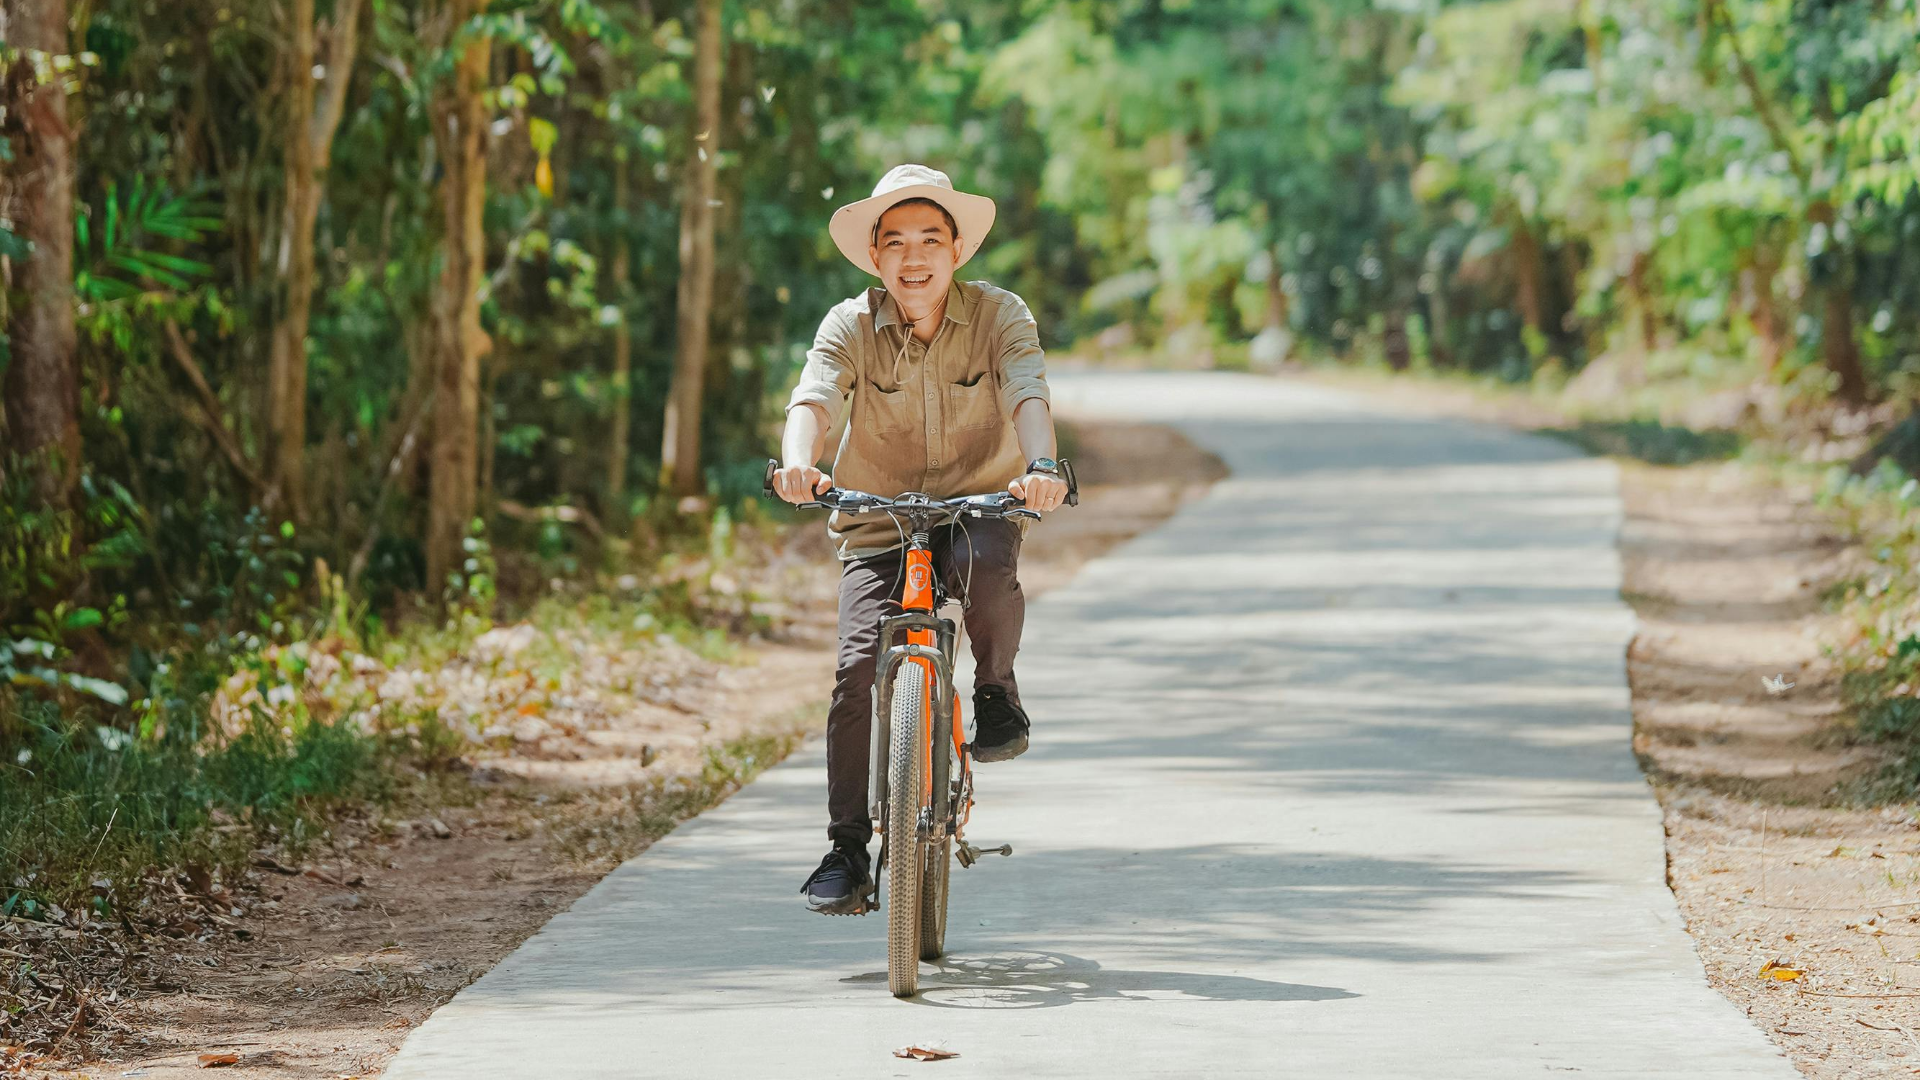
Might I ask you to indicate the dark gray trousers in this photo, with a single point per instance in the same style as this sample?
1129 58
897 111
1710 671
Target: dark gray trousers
980 564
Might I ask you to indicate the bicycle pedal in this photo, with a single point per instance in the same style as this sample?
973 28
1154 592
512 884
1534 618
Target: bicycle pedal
970 854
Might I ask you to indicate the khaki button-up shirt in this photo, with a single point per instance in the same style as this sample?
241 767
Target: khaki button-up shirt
932 418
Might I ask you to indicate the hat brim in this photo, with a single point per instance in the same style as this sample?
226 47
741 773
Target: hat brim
852 224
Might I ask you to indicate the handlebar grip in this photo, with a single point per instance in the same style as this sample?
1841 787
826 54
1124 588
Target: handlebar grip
766 482
1073 483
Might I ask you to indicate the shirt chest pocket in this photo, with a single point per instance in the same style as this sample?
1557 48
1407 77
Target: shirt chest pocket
975 404
885 410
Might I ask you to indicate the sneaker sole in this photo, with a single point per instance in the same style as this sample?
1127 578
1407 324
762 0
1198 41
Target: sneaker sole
1006 751
858 904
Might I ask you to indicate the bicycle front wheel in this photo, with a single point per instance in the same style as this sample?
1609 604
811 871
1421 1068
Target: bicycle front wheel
933 899
906 854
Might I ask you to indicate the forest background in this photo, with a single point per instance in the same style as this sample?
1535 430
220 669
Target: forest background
374 321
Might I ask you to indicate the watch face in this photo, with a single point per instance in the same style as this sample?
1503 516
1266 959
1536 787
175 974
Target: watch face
1044 463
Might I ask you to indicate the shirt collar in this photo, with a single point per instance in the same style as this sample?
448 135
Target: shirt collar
960 304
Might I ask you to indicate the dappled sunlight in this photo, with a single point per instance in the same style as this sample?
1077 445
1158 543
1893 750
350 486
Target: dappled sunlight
1345 737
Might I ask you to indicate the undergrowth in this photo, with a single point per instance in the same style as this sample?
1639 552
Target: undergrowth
261 734
86 814
1880 659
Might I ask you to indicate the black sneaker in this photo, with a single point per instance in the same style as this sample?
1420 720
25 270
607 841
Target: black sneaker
999 726
843 885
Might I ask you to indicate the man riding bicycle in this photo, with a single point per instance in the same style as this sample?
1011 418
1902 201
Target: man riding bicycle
949 391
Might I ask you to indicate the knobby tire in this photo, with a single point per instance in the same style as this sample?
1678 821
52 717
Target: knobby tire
933 899
905 850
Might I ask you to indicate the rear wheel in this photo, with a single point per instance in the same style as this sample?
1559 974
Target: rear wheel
905 850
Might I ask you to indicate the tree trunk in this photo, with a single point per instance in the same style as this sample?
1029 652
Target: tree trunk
1763 308
1394 343
680 448
42 388
1275 318
1528 276
1642 292
618 385
309 132
1393 331
1837 345
1439 313
455 342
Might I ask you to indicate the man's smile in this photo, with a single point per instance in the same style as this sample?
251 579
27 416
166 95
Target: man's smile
914 281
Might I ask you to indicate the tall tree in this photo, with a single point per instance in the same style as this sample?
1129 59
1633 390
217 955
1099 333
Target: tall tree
455 342
619 444
312 117
42 384
1811 134
680 447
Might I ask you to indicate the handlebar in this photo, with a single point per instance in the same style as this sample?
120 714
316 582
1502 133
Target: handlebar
998 504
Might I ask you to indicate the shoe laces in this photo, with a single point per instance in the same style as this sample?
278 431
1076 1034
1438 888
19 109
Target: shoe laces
837 859
992 703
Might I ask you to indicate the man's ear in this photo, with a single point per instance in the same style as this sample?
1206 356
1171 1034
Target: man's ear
959 250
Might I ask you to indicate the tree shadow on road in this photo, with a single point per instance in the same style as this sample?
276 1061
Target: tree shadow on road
1047 980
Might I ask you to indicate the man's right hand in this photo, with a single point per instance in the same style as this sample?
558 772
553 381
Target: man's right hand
800 483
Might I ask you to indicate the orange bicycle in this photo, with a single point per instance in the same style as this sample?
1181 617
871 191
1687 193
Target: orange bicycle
915 710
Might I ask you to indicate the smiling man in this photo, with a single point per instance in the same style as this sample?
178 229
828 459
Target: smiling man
949 397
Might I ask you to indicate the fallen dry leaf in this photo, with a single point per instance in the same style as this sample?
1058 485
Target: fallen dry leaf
217 1061
925 1053
1780 971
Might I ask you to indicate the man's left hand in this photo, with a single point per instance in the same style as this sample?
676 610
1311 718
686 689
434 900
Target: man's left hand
1041 491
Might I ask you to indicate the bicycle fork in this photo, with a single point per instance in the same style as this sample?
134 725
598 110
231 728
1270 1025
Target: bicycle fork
922 630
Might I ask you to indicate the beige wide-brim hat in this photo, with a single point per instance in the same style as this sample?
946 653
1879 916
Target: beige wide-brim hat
852 225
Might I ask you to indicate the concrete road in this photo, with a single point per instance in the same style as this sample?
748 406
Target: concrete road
1330 778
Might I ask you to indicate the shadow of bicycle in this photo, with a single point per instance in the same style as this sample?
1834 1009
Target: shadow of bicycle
1047 980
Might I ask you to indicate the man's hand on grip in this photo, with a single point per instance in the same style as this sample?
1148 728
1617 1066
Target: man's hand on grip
800 483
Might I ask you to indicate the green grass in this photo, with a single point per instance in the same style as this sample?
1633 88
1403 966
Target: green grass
1880 661
1651 441
83 822
88 814
98 804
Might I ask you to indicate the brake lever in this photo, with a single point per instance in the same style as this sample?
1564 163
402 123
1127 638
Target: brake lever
1022 511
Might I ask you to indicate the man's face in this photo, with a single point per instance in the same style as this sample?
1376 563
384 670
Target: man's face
916 254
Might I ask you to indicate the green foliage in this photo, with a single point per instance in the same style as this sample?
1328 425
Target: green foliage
1881 662
121 266
1507 187
1652 441
87 813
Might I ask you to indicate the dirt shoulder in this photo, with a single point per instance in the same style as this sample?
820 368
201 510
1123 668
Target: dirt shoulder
1803 904
320 969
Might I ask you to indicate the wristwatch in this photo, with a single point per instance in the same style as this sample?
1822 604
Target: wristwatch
1044 465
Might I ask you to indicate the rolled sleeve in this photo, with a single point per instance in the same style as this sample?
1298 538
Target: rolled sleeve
827 377
1023 365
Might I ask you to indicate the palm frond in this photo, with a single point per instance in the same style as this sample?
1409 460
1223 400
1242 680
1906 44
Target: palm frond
119 260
